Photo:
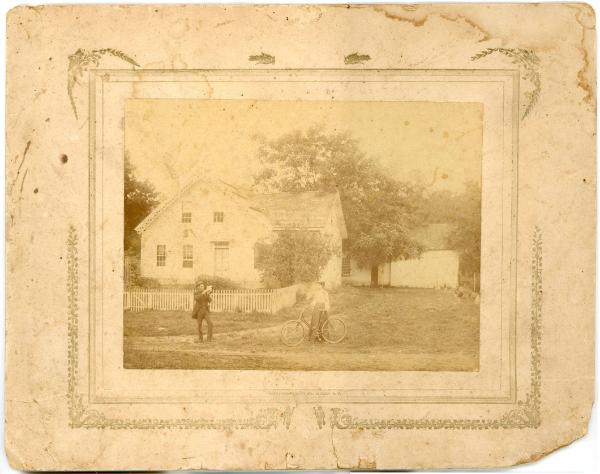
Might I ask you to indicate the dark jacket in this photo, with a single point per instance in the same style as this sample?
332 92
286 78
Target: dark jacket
201 304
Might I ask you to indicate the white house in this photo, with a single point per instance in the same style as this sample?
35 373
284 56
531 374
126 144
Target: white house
213 228
436 267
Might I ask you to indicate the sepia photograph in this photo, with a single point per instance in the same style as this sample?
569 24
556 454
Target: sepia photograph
299 237
302 235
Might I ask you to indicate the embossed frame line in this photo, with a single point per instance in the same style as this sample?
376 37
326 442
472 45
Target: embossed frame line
96 73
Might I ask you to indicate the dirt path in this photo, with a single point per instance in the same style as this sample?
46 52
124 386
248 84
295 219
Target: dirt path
390 329
227 351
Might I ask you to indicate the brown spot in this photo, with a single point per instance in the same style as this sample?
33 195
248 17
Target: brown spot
35 191
406 122
395 17
64 158
485 35
418 22
444 176
431 130
587 25
582 81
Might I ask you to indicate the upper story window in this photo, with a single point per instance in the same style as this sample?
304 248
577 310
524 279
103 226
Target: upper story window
218 216
186 212
161 255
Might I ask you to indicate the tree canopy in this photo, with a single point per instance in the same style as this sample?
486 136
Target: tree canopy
466 236
140 198
463 211
379 210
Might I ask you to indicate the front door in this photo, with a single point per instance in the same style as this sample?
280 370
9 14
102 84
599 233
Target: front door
222 260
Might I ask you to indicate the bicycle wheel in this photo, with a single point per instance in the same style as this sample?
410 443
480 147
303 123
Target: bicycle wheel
334 330
292 333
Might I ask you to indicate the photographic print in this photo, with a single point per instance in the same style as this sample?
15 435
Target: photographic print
282 237
302 235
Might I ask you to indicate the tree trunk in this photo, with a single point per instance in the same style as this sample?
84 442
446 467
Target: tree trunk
375 275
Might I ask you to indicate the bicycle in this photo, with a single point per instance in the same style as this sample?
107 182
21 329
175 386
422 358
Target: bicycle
293 332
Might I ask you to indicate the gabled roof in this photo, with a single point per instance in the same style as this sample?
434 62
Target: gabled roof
298 210
306 209
150 218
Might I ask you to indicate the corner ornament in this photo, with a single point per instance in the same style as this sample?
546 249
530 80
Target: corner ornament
528 63
82 60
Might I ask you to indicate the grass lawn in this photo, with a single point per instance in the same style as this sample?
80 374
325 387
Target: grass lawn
388 329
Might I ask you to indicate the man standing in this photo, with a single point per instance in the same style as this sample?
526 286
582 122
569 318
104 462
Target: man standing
320 310
200 312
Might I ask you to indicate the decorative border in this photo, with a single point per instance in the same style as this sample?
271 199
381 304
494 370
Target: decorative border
529 61
526 414
81 60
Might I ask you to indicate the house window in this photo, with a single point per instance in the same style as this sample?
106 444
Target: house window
346 266
221 259
218 216
161 255
186 212
188 256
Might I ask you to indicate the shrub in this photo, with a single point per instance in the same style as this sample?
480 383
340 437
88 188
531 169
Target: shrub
218 283
296 257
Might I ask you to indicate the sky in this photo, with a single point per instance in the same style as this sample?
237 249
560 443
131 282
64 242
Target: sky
171 140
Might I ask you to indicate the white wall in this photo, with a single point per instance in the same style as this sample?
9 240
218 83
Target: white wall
242 227
434 269
332 273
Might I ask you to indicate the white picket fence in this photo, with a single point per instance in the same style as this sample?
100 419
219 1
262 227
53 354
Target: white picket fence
239 301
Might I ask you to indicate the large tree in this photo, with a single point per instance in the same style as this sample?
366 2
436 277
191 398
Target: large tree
466 237
140 197
379 210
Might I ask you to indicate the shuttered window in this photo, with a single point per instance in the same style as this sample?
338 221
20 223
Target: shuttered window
346 266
